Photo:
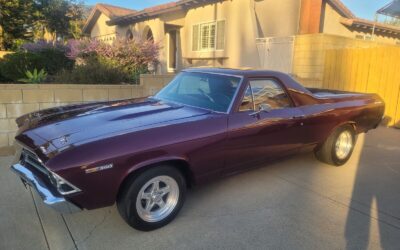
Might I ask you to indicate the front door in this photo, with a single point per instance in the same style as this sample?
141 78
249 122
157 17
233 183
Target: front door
172 50
256 137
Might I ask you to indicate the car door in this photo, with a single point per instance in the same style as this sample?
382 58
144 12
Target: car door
256 135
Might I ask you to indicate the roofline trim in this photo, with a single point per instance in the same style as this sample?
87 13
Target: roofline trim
363 22
158 10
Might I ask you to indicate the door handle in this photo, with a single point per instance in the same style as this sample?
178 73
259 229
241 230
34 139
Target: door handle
298 116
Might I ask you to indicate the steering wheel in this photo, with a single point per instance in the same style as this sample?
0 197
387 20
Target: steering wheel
222 99
206 95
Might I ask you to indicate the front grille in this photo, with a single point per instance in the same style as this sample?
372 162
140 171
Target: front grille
29 159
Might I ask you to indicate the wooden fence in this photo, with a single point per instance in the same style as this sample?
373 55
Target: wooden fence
370 70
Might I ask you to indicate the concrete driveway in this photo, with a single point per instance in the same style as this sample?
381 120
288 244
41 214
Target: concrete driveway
298 203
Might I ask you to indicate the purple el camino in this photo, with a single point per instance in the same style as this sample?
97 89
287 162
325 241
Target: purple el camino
207 123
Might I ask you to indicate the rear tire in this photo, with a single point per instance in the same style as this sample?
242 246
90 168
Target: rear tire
338 147
153 198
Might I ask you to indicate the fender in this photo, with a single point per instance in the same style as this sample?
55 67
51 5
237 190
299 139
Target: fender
139 166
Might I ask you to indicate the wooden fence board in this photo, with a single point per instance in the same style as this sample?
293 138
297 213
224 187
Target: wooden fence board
369 70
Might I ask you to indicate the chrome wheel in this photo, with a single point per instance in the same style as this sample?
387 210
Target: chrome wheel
343 145
157 198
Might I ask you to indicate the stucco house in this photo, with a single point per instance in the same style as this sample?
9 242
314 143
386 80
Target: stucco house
231 33
96 23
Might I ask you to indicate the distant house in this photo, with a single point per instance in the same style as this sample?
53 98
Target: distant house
231 33
96 24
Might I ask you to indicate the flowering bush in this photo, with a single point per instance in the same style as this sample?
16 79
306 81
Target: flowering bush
84 60
129 56
44 45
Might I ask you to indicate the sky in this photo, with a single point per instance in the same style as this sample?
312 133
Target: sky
361 8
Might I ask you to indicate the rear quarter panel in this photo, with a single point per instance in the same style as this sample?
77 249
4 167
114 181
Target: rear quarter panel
364 112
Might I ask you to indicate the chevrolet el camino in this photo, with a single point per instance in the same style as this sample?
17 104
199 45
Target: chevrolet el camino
142 154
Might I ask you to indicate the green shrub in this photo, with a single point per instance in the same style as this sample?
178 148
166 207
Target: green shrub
93 72
14 66
55 60
134 74
35 76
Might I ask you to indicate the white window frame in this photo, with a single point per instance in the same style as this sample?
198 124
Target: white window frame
199 35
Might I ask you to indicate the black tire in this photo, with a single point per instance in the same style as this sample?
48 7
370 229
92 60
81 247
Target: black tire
327 151
127 199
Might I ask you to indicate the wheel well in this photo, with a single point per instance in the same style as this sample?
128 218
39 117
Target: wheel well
181 165
351 123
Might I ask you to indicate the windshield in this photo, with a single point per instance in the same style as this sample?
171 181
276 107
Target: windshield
203 90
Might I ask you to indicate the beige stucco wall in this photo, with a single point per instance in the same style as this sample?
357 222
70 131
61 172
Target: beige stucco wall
102 31
158 30
275 18
333 26
245 21
278 18
19 99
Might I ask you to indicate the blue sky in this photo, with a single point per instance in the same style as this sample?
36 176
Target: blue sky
362 8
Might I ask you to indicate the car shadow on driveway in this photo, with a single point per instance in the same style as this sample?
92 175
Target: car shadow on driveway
376 197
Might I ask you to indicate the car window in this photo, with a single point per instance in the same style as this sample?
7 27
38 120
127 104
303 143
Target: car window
211 91
247 101
186 86
268 91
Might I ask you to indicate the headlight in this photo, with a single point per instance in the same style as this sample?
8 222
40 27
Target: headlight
63 186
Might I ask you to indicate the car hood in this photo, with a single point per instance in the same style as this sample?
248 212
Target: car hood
63 126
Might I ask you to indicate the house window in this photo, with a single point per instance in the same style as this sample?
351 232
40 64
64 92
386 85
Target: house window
208 36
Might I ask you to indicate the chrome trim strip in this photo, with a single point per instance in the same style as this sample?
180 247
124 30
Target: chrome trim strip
75 189
55 201
24 150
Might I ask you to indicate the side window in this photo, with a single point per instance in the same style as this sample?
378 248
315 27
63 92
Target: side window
247 101
268 91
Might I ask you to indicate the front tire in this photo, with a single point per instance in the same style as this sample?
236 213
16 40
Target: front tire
153 198
338 147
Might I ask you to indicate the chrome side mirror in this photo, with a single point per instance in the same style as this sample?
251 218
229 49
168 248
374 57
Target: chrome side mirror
263 107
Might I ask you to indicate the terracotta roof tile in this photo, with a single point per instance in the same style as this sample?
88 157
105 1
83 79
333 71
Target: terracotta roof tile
108 10
113 11
369 23
162 8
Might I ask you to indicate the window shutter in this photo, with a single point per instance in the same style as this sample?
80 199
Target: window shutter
195 37
220 35
205 36
212 36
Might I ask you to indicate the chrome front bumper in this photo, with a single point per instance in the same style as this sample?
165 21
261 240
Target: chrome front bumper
49 197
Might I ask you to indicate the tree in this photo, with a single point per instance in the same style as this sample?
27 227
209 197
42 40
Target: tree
16 21
27 20
63 17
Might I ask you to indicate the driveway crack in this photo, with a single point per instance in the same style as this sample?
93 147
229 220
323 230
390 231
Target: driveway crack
106 214
69 232
40 219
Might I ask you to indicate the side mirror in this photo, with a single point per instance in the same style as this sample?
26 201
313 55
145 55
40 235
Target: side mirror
262 108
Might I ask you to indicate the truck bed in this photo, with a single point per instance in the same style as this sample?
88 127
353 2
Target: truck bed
328 93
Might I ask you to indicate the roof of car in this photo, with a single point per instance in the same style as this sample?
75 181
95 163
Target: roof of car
237 71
